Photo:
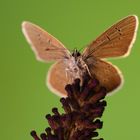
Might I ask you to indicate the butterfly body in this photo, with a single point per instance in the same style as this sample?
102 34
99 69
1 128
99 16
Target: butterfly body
75 66
116 41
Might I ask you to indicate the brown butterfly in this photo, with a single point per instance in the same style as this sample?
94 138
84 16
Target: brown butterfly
115 42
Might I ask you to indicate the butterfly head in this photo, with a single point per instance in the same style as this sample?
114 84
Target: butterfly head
75 53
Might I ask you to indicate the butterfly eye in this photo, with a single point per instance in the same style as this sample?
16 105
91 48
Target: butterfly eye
78 54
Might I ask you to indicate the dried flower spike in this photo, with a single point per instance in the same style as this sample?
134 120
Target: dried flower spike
83 107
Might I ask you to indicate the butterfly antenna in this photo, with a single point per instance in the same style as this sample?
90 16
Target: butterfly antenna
81 48
70 50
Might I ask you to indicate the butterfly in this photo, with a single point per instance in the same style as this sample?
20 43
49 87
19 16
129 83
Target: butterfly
117 41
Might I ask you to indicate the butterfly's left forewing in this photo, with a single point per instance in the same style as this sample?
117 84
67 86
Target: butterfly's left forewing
45 46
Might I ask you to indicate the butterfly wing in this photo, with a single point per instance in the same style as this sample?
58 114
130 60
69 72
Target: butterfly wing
56 79
116 41
45 46
108 75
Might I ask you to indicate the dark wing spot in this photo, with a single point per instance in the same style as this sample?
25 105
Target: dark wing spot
108 37
47 49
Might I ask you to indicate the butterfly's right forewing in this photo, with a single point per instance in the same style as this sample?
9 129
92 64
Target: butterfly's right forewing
116 41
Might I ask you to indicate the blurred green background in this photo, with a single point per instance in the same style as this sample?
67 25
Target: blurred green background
24 97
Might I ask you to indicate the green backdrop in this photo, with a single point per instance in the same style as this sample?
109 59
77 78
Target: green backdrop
24 97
